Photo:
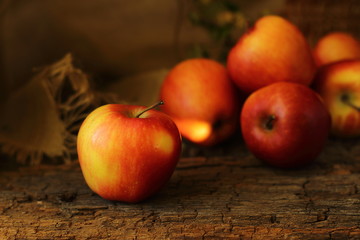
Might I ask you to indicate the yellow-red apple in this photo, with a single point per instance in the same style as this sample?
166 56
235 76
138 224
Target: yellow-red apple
202 101
285 124
336 46
273 50
127 154
338 84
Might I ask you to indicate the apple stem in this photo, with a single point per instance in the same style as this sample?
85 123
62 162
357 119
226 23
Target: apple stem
346 99
161 102
269 124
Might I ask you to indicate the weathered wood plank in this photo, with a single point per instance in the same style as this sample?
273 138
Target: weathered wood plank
230 197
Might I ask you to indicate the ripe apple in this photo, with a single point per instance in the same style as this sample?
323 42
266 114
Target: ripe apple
336 46
338 84
126 153
285 124
202 101
273 50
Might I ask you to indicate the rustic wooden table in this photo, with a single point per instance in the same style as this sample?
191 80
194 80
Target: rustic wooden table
232 196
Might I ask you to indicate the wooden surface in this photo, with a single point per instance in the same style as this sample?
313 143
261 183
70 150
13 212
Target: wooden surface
208 197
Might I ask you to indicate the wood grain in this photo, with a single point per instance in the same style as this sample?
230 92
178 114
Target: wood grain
217 197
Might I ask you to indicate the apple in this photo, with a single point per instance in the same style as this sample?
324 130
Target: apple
338 84
202 101
285 124
273 50
127 153
336 46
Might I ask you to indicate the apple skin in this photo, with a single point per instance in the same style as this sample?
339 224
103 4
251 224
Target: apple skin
298 131
273 50
125 158
202 101
336 46
338 84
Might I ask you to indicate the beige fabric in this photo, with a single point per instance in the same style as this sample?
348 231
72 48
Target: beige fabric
40 119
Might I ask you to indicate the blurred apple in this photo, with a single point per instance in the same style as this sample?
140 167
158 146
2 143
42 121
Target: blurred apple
126 152
285 124
202 101
273 50
336 46
339 85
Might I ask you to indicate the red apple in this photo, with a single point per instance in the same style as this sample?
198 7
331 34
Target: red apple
274 50
285 124
336 46
339 85
125 155
202 101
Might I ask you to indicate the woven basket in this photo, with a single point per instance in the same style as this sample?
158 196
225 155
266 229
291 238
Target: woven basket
318 17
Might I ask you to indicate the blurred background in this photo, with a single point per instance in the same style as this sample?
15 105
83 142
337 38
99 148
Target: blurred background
126 47
112 39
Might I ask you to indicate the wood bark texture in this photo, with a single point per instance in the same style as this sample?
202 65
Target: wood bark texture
208 197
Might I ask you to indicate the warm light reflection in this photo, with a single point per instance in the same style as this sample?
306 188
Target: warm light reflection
195 130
